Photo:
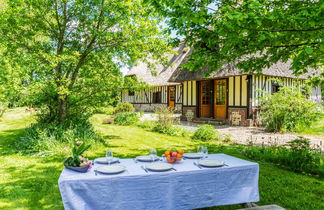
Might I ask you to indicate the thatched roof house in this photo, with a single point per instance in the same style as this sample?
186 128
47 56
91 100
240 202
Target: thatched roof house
227 94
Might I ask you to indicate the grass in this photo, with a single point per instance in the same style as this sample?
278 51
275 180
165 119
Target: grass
316 129
30 182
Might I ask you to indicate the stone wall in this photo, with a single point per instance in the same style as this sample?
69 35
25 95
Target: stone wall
185 109
238 116
153 107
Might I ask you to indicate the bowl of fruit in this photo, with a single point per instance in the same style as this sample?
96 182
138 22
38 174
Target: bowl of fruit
173 156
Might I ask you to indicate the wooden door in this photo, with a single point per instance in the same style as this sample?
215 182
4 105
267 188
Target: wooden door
205 98
171 96
220 99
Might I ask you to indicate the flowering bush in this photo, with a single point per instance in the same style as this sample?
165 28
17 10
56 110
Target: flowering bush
288 110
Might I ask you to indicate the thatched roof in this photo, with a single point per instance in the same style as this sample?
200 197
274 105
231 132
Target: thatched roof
279 69
160 75
174 74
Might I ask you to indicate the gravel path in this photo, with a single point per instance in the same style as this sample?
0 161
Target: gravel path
244 135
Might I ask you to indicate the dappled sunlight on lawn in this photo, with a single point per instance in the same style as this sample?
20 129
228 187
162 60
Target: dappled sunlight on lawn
28 181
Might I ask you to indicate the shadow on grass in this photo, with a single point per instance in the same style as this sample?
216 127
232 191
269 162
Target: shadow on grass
8 138
34 186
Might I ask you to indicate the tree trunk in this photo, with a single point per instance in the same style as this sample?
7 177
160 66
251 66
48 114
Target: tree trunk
62 108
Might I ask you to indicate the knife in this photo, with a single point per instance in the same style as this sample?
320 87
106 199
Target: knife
144 169
197 165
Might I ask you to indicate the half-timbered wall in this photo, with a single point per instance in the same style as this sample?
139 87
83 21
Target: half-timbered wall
263 84
237 91
189 93
146 96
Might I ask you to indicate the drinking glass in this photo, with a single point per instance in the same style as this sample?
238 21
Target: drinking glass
153 154
205 152
109 156
200 149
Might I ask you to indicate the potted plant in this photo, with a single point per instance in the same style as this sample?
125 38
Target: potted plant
78 162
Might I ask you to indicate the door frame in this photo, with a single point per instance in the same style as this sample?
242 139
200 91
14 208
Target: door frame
175 95
211 83
226 97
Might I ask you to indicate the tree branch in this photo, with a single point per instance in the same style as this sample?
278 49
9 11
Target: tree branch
294 45
283 30
88 48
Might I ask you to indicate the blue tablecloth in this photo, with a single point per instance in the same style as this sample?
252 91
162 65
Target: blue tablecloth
187 188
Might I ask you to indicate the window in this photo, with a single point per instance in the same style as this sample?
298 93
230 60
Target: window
157 97
220 93
172 93
205 93
131 93
275 87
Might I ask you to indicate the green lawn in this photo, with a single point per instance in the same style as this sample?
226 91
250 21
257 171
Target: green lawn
316 129
30 182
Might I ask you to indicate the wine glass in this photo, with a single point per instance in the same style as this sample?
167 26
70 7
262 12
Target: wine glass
153 154
109 156
205 152
200 149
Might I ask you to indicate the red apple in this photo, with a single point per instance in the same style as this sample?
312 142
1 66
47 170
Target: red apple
174 154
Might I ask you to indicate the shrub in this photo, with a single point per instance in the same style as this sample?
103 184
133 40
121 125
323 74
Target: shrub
56 138
297 155
206 133
288 110
141 112
169 130
126 118
166 118
109 110
124 107
147 124
165 123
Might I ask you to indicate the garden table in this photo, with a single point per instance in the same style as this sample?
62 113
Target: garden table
187 188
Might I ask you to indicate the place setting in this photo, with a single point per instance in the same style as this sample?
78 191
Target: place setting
153 163
111 168
202 160
148 158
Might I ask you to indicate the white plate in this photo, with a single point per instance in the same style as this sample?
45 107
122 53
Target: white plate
146 158
103 160
111 169
159 166
193 155
211 163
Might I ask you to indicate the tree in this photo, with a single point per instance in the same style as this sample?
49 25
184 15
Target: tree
253 33
72 49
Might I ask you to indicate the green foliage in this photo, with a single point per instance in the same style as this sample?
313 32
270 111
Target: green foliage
42 137
109 110
166 122
170 130
126 118
71 51
206 133
297 156
77 151
282 187
124 107
165 117
147 124
141 113
223 31
288 110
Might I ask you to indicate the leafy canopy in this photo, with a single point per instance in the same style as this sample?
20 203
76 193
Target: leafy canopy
72 49
223 31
